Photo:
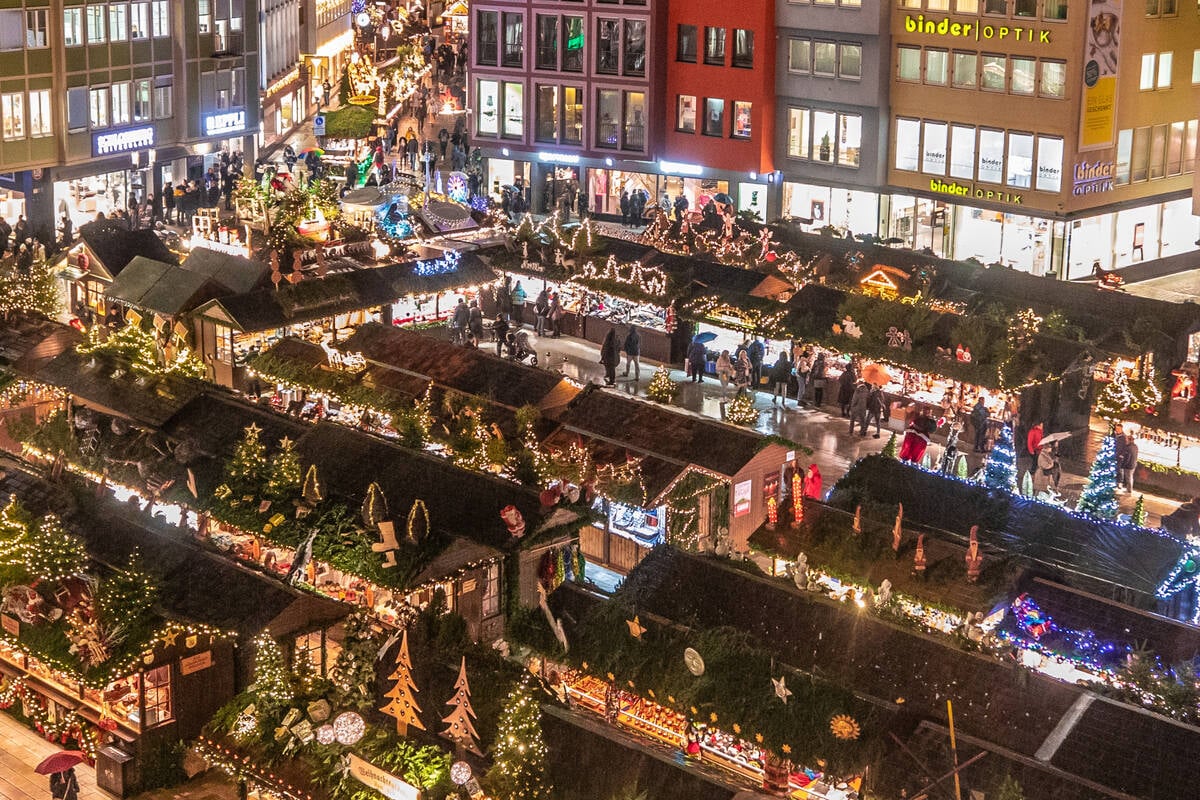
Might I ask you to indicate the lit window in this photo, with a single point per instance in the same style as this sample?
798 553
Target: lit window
142 109
1124 148
991 156
120 103
160 19
1020 159
98 107
741 119
800 56
72 27
1024 75
994 74
35 27
965 70
825 58
714 46
608 115
635 121
1195 66
1054 79
1049 164
1146 81
798 127
118 22
572 131
933 152
714 117
937 66
966 6
163 101
962 151
139 20
491 592
157 694
1165 62
40 116
95 24
850 61
849 139
487 98
908 144
572 59
824 125
545 128
685 113
908 63
12 110
514 110
204 16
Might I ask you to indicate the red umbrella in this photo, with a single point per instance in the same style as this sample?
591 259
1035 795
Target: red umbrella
61 761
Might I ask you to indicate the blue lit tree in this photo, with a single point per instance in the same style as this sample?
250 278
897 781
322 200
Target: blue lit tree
1099 498
1001 470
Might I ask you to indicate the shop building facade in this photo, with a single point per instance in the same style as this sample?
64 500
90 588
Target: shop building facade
105 102
326 35
283 91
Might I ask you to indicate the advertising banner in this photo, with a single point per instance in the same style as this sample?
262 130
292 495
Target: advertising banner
1101 55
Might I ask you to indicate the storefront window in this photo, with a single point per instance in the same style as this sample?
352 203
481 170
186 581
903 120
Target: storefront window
965 69
714 117
685 114
850 141
937 63
1179 227
12 108
1054 78
157 692
991 156
994 72
1020 159
908 62
489 105
546 126
962 151
486 43
635 47
514 110
714 46
608 49
798 132
547 41
933 158
685 44
800 56
1023 74
908 144
823 123
1050 158
741 119
572 60
608 111
572 132
514 40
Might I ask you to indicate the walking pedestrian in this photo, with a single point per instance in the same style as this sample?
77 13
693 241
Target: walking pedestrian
633 353
812 482
1049 471
781 376
876 408
443 141
756 351
725 371
816 377
500 333
803 369
1127 458
846 383
610 357
475 323
979 424
518 298
624 207
556 312
697 357
460 325
64 785
741 373
541 310
858 407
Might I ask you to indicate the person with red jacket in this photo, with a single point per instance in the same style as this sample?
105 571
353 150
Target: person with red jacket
1034 441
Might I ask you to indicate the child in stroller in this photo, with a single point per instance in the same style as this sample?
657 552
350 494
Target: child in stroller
519 347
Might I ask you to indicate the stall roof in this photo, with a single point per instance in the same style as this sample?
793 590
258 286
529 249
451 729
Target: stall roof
160 288
436 274
28 341
312 298
113 245
459 554
236 274
658 474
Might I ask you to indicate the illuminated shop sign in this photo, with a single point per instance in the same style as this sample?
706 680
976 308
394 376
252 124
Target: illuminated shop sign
975 30
104 144
1092 177
970 190
558 158
228 122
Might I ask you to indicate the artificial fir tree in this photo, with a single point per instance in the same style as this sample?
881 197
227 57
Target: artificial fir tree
1001 469
459 727
14 533
33 290
127 594
1139 511
1099 498
661 388
284 475
245 471
402 696
519 755
354 670
52 554
889 449
271 682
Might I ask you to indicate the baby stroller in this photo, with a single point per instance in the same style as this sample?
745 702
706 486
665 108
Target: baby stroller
519 348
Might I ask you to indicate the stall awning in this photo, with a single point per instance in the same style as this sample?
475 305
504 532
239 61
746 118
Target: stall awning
160 288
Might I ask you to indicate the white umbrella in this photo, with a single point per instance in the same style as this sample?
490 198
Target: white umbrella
1055 437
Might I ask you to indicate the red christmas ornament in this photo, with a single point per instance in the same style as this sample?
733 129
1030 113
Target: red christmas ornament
771 256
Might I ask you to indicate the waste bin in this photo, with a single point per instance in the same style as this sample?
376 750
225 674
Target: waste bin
114 771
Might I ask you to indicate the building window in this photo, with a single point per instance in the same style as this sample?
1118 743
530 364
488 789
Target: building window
547 41
1025 8
743 48
1056 9
849 140
1195 67
908 144
163 100
966 6
139 20
608 111
1024 75
937 66
850 61
1189 146
1165 61
908 63
995 73
741 119
608 49
1146 82
142 108
798 127
157 694
1158 151
962 151
118 22
77 109
95 24
40 116
965 70
824 135
998 7
937 5
714 46
545 127
35 27
488 99
1139 162
98 107
491 592
1160 8
72 27
634 62
514 110
685 113
635 121
991 156
685 43
160 19
799 55
933 149
514 40
486 43
714 117
1124 145
120 103
12 110
572 131
572 59
1054 79
1175 148
825 58
1049 164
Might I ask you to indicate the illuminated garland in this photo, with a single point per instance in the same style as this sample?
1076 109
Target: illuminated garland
69 725
649 280
746 320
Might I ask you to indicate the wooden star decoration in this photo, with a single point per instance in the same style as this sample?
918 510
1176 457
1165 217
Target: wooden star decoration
635 627
781 689
169 638
253 430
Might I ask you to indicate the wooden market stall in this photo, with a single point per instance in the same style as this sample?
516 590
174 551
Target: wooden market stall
103 250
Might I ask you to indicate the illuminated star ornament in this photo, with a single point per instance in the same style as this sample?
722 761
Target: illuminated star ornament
169 638
781 689
635 627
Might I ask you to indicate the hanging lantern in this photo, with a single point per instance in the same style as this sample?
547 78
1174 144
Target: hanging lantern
797 499
772 512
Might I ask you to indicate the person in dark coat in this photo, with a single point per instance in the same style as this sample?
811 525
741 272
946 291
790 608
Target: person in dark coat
756 351
461 324
817 377
781 376
1127 458
632 347
876 408
858 407
697 357
979 423
846 388
475 323
64 785
500 331
541 310
624 207
610 357
443 141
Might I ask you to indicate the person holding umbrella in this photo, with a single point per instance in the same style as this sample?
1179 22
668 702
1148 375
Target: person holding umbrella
60 767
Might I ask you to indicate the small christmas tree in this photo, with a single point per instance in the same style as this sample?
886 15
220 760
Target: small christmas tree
519 771
661 388
374 507
127 594
460 729
1099 498
34 290
889 449
271 682
14 533
1001 469
313 491
1139 511
248 466
284 476
403 705
52 554
354 670
741 411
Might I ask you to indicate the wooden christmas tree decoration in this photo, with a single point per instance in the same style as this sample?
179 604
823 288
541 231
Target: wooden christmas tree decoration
460 729
403 705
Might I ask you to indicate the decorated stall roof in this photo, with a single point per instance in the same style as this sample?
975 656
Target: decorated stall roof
27 341
438 273
236 274
310 299
112 246
161 288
